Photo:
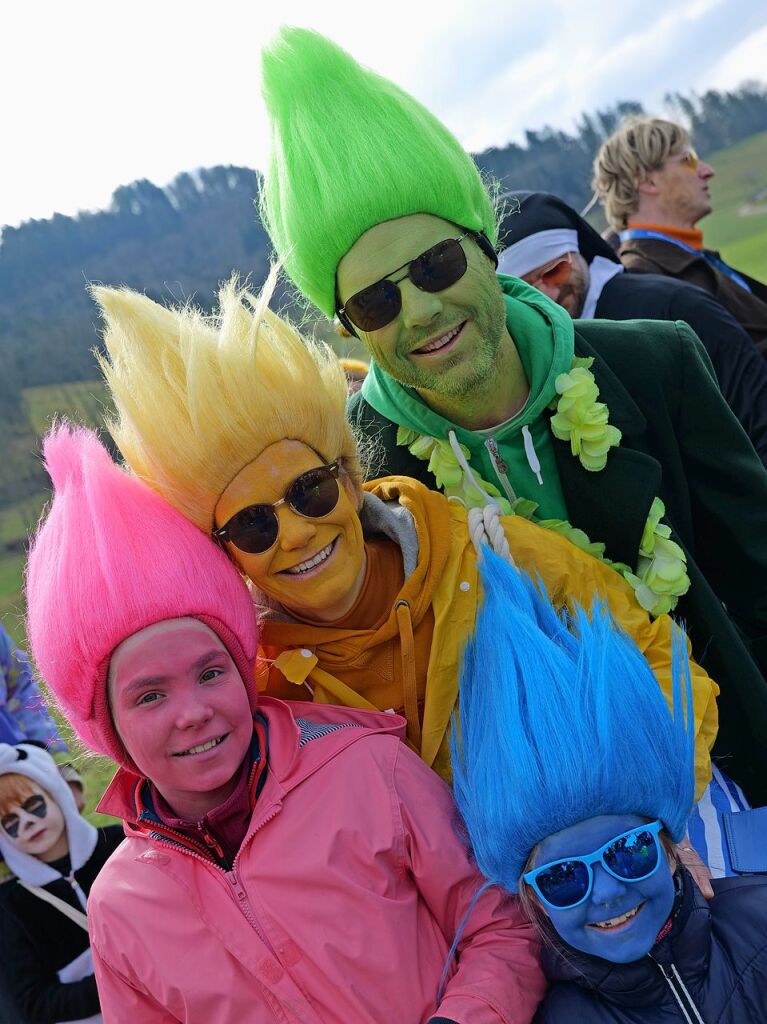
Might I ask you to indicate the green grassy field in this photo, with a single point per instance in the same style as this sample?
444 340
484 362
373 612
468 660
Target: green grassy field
96 773
18 519
82 401
738 225
749 255
16 523
11 605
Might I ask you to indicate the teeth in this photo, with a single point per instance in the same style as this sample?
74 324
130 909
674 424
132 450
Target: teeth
439 342
311 562
613 922
201 748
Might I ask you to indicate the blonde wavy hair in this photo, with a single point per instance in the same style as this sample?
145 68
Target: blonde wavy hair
641 145
198 397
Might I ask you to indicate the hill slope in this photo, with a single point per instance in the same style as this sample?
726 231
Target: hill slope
738 226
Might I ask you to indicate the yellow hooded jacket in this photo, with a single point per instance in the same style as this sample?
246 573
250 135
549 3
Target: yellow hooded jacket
331 663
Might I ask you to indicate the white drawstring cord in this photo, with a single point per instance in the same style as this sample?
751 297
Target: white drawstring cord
532 456
463 463
484 523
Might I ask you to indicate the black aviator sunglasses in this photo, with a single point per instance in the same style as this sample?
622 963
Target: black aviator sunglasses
433 271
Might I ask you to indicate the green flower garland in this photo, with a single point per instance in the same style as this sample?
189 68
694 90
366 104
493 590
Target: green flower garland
660 578
580 419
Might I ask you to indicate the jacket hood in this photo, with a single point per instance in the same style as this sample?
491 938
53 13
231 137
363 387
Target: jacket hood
34 763
544 335
641 983
292 757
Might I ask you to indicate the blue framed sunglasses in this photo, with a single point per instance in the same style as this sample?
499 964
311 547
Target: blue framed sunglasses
632 856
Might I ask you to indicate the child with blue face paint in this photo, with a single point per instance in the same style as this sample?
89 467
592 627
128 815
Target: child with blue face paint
619 918
573 780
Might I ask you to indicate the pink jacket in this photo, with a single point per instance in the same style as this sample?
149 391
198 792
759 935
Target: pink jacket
341 907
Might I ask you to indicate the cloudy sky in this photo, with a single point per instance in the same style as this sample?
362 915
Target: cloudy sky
98 94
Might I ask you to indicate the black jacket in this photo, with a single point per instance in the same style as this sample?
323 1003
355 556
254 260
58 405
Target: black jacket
740 370
37 941
679 442
718 950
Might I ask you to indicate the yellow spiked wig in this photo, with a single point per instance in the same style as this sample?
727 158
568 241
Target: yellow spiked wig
198 398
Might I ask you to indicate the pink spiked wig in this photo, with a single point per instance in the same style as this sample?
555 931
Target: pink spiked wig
111 558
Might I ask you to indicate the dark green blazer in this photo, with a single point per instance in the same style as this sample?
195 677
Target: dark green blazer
680 442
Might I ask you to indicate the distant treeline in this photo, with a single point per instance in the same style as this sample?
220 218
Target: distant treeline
553 161
181 240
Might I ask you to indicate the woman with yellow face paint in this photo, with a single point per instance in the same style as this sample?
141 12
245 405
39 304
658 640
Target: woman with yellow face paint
366 595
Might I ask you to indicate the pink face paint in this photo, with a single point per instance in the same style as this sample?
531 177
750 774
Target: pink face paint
180 707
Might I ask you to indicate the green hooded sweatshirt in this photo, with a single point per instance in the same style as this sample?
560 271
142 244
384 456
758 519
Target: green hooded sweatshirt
504 455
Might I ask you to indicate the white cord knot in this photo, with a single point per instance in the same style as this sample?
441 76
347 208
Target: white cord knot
485 527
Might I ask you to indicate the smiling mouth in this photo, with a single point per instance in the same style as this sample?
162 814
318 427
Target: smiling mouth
441 344
201 748
37 835
311 565
615 923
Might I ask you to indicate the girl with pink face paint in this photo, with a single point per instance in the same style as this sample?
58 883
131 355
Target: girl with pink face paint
282 863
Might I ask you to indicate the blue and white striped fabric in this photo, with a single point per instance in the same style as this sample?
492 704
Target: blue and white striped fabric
705 826
315 731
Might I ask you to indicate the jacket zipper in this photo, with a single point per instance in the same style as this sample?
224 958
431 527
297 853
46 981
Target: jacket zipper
231 878
242 897
246 910
679 991
500 467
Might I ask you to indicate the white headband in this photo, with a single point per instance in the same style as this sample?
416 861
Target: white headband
534 251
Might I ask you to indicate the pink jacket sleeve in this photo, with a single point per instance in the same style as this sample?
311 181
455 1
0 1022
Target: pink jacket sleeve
498 976
121 1003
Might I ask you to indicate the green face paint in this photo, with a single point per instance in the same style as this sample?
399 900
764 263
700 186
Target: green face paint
445 342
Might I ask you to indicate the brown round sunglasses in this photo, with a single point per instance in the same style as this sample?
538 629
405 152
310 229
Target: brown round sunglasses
255 528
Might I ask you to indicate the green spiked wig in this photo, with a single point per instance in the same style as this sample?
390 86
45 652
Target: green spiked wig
349 151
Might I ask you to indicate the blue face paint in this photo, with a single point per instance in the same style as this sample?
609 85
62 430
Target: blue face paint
610 898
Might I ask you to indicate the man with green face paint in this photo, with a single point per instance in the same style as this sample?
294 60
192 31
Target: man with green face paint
614 434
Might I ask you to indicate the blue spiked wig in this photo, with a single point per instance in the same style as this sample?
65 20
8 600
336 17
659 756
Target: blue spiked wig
561 719
349 151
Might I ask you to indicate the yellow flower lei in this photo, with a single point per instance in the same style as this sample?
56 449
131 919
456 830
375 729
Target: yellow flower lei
660 578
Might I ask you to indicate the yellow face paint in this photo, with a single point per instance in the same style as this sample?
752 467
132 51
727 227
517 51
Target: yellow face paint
325 590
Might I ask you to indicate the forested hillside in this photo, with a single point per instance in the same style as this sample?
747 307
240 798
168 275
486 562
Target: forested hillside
180 240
